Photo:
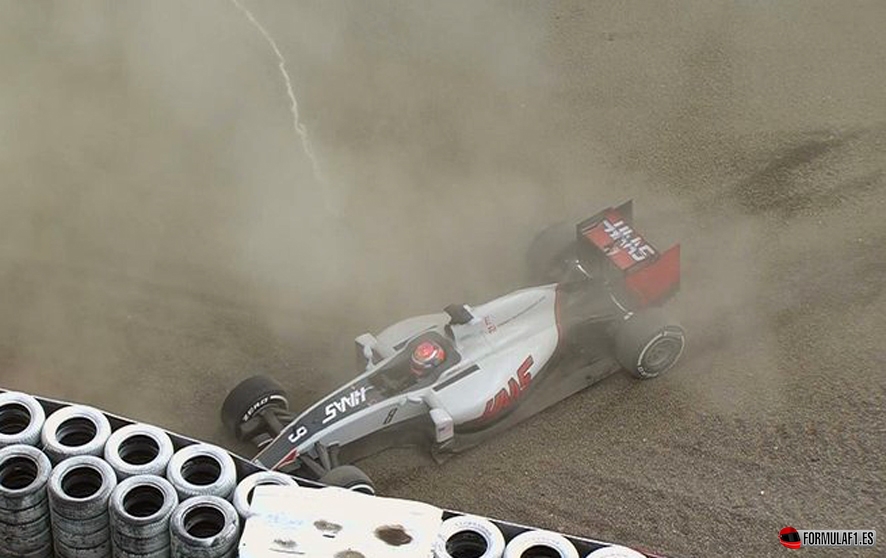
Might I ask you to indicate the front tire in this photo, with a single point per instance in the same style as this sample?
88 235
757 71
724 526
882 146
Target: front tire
350 477
648 344
249 398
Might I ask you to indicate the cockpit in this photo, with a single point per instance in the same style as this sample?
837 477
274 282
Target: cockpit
419 364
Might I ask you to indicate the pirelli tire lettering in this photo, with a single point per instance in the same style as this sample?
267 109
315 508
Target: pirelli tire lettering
261 403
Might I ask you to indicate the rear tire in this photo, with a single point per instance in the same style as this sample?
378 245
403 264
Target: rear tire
250 397
350 477
648 344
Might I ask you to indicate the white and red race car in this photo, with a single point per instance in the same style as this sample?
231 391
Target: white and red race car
456 377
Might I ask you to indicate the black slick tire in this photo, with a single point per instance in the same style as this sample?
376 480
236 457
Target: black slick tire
248 398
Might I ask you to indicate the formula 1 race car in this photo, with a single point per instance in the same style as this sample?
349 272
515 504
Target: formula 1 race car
455 378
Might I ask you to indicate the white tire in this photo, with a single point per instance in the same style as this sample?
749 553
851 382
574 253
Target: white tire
469 534
32 513
243 492
23 530
97 539
615 551
79 489
78 492
202 470
26 545
83 526
75 430
139 449
64 551
24 473
204 527
139 509
42 552
555 542
21 419
162 553
24 514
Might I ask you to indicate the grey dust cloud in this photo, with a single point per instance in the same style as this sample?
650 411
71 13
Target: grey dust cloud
163 232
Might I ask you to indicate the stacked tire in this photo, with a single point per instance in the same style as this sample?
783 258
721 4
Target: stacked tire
205 523
70 486
25 528
81 482
79 490
243 492
213 506
21 419
170 503
468 536
73 431
139 510
204 526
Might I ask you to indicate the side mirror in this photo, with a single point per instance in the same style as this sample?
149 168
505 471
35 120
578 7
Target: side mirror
370 351
459 314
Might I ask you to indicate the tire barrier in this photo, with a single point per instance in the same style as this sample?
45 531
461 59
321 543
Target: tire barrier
25 528
204 527
78 491
202 470
97 491
243 493
21 419
540 543
138 449
468 536
139 509
73 431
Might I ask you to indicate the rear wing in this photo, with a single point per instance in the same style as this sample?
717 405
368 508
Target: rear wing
650 276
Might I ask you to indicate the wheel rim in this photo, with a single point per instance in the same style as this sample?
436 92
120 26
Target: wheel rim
661 355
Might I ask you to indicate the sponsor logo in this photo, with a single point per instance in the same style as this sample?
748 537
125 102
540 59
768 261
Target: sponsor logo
346 403
508 395
797 538
626 239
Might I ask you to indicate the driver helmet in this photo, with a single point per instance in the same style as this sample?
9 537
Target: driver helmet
426 356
